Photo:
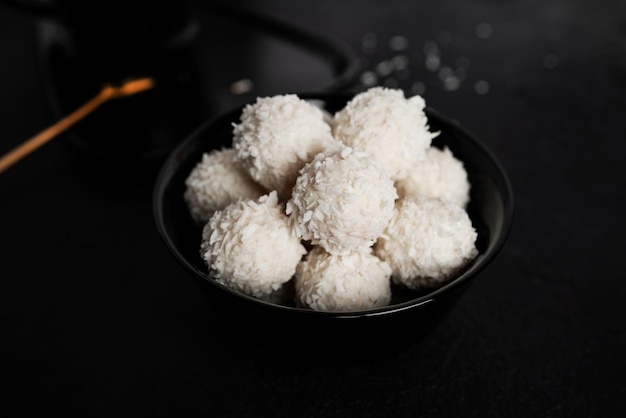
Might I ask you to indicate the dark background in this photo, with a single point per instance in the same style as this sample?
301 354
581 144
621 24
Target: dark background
97 319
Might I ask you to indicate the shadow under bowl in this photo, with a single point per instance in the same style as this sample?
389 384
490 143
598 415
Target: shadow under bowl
276 325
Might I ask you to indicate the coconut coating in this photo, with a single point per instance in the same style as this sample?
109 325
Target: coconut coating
390 127
276 136
342 201
355 281
427 242
248 246
217 180
440 175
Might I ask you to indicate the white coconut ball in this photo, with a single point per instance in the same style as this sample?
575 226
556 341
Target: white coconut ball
248 246
276 136
217 180
441 175
427 242
342 201
390 127
355 281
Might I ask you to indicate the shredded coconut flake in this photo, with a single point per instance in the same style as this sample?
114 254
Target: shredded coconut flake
440 175
215 182
276 136
427 242
355 281
249 246
342 201
390 127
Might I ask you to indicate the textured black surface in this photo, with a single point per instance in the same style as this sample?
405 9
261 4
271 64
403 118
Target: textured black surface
98 319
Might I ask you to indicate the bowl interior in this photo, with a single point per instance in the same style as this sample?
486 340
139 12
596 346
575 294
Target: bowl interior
490 207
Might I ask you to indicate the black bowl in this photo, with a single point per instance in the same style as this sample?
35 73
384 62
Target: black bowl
280 326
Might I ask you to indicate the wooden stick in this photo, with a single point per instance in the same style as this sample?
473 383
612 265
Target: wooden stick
109 91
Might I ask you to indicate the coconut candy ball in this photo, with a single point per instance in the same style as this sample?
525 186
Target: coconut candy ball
440 175
217 180
355 281
276 136
342 201
426 242
390 127
249 246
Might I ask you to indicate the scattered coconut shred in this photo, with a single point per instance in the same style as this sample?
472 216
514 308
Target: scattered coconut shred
363 190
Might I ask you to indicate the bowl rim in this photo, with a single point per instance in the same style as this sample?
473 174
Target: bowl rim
171 162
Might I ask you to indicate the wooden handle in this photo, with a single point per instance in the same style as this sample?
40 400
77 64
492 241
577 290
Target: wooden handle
109 91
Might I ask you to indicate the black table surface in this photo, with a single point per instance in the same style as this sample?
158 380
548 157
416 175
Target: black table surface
97 319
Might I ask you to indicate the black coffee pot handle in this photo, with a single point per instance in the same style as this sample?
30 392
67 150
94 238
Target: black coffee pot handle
36 8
